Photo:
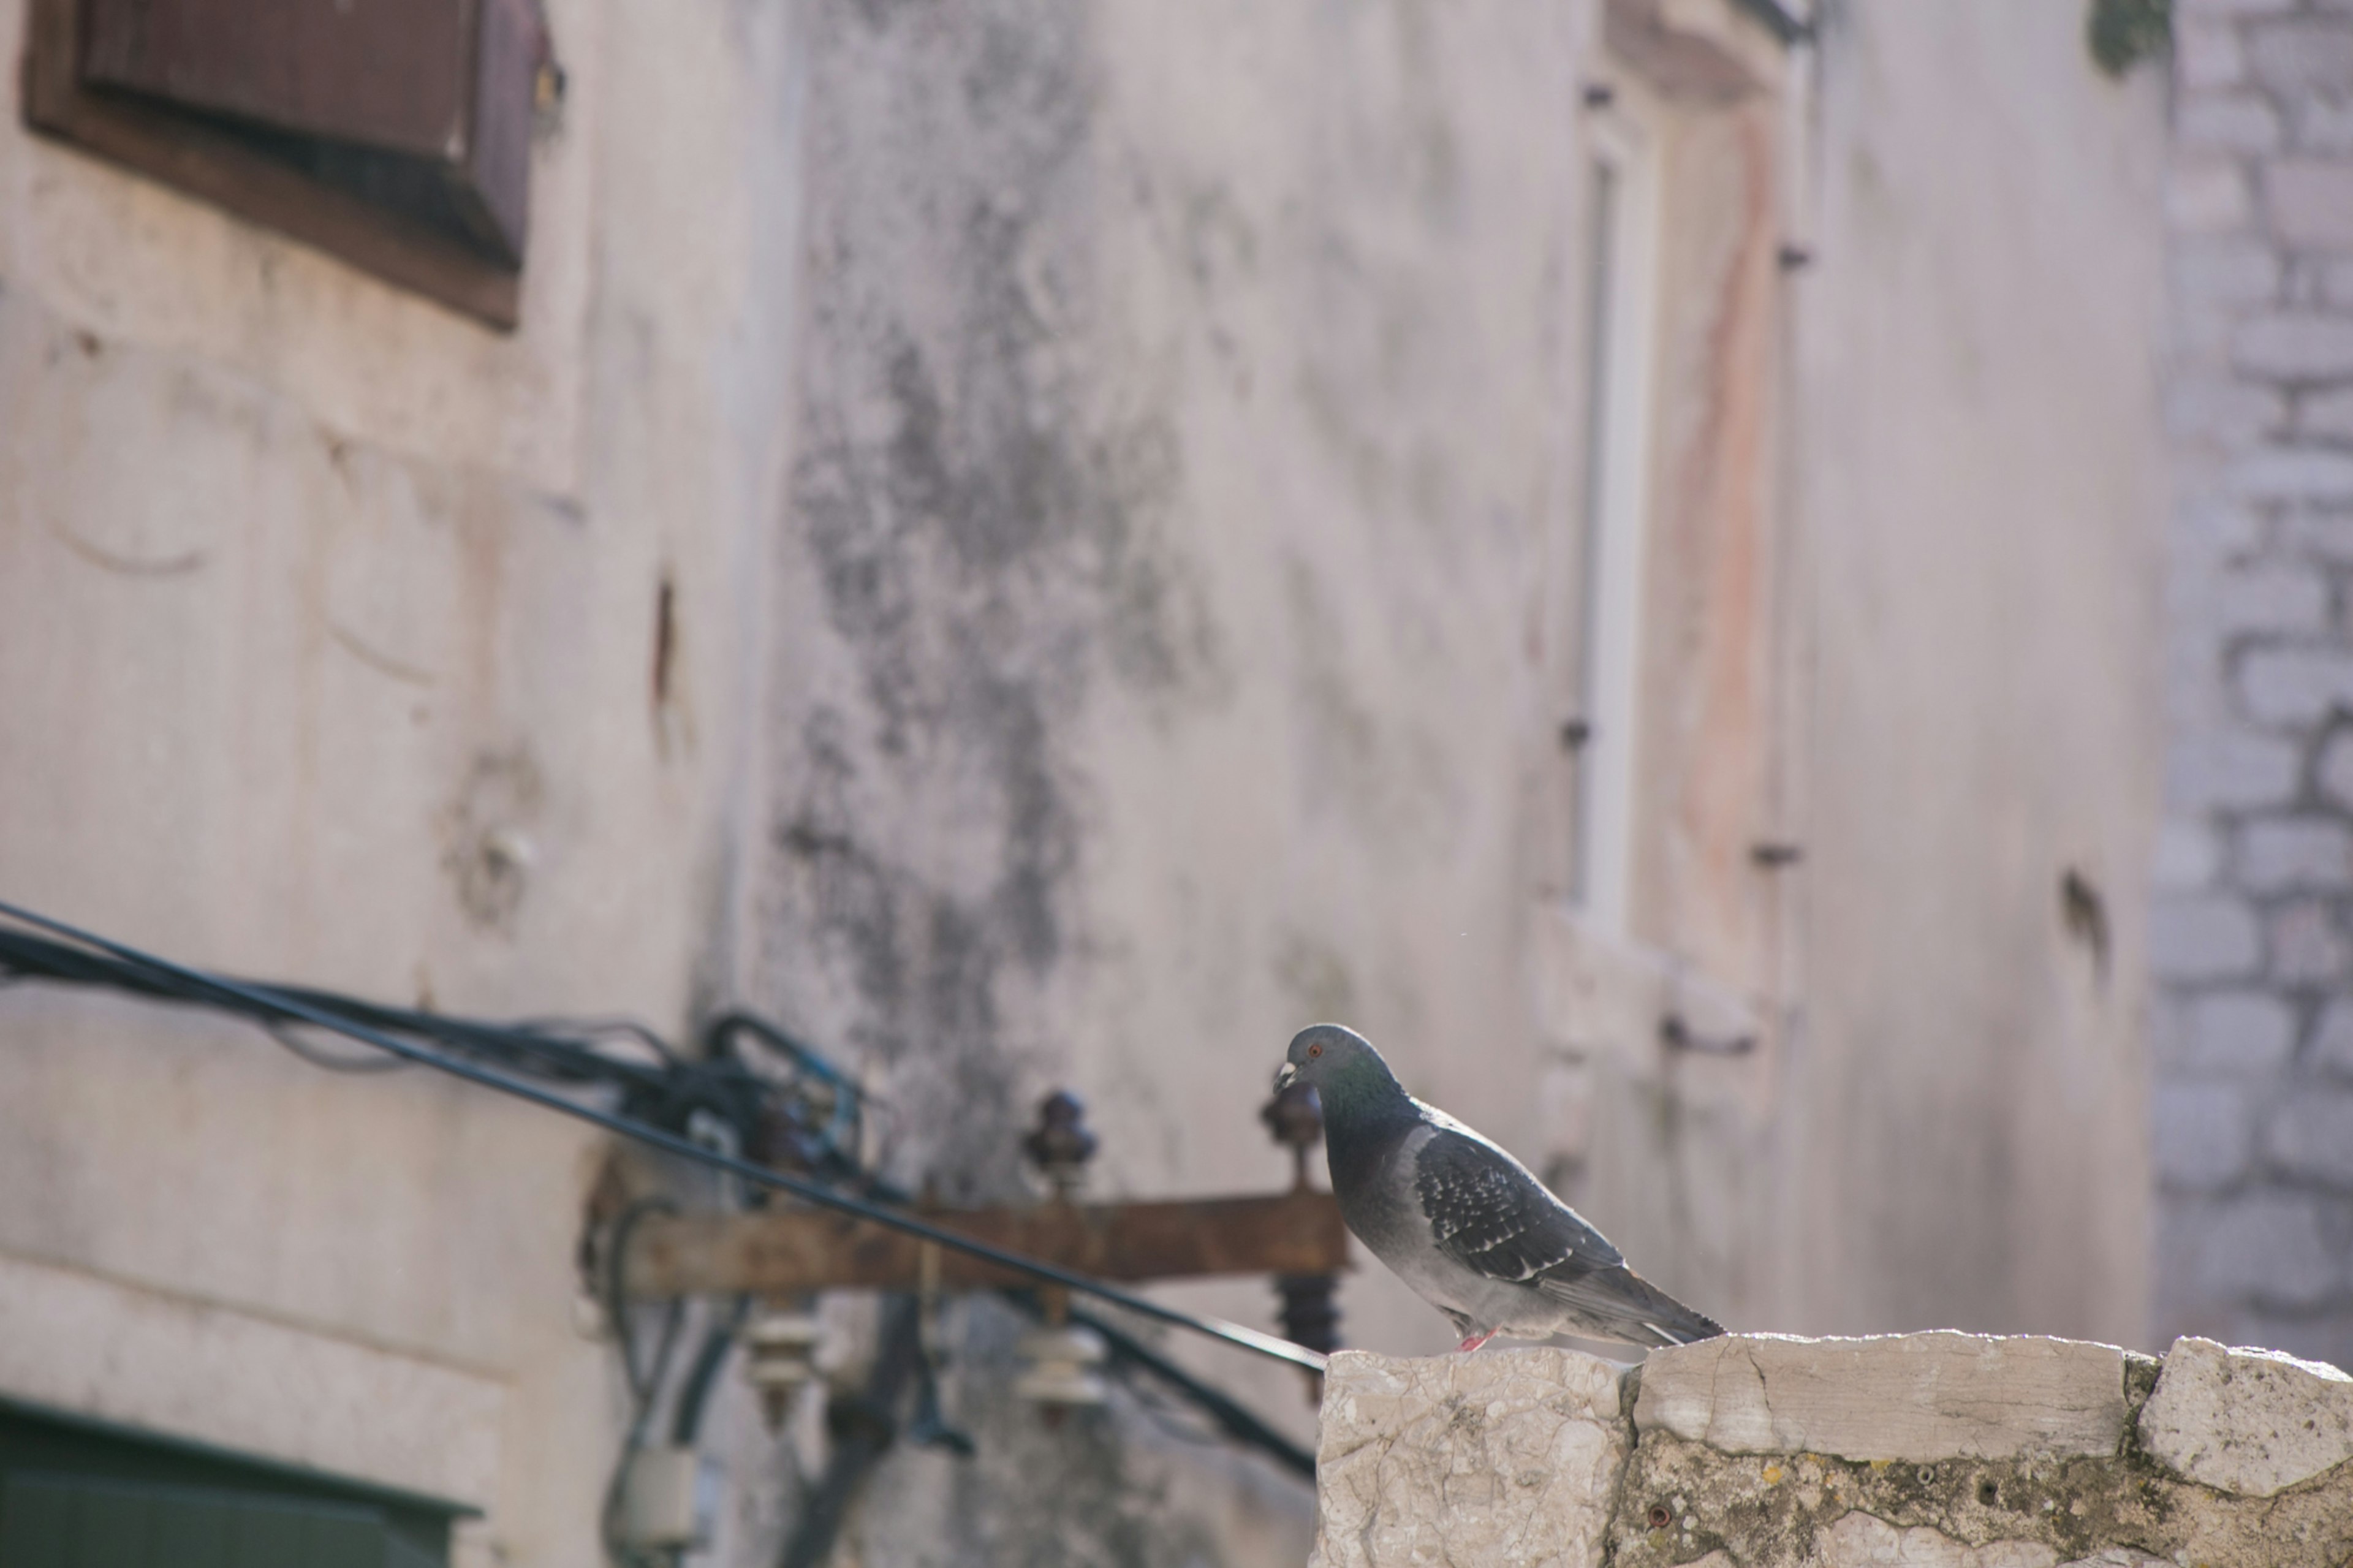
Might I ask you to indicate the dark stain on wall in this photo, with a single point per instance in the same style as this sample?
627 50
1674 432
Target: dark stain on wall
984 478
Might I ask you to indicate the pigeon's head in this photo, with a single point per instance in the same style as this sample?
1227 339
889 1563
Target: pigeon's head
1324 1055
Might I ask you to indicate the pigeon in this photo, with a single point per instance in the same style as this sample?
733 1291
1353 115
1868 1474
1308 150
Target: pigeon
1464 1223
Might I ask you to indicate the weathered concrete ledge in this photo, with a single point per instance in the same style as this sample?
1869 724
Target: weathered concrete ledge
1937 1450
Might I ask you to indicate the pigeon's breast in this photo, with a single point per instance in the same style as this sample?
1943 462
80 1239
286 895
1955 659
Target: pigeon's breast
1382 1208
1384 1211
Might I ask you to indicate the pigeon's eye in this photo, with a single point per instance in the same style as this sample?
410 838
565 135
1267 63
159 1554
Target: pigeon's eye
1315 1051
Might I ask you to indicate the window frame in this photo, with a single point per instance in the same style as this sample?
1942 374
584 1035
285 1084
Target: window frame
1625 139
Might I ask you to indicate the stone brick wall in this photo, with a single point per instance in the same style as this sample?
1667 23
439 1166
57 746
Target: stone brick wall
1935 1450
2251 935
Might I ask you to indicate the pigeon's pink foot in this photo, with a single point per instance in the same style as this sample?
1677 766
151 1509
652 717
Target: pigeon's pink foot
1475 1341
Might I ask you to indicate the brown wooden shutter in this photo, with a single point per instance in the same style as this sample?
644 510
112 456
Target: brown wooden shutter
418 112
382 73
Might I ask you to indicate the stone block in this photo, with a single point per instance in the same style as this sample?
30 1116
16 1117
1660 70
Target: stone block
2230 768
2322 416
2271 598
2294 346
2325 533
2237 269
2301 54
2332 1038
2267 1246
2311 1135
2337 282
2251 1423
2294 685
2280 854
2208 195
2202 333
2304 946
1503 1457
1982 1453
2189 857
2198 696
2201 1135
2310 202
2227 122
2229 412
2208 55
2294 474
2177 1294
2333 772
2201 938
1902 1397
2213 526
2251 1034
2320 122
2303 283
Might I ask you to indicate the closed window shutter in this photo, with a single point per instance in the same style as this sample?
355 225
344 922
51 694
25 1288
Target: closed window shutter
382 73
422 105
395 134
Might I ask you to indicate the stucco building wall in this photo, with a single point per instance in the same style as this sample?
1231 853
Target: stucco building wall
329 621
1980 463
1940 867
1118 477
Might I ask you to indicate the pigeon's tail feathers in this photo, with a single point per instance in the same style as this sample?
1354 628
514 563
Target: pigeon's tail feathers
1620 1304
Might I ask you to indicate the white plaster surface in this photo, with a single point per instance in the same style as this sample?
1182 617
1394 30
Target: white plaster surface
1505 1457
2251 1422
1909 1396
191 1369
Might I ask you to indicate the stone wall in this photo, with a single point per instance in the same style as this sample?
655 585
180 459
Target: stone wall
1933 1450
2252 1059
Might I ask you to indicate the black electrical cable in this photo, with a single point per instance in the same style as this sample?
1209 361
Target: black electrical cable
702 1373
863 1425
1233 1418
285 1034
643 1383
535 1048
633 1439
167 978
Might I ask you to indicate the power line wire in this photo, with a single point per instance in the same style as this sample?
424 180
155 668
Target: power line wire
170 979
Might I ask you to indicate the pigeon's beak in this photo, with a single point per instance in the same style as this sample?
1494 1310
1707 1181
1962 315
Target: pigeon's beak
1285 1076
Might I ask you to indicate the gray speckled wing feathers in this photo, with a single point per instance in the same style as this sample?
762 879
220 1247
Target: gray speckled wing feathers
1489 1214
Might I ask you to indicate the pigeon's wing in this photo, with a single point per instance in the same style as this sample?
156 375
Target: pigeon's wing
1487 1213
